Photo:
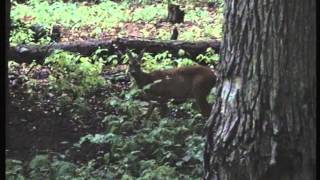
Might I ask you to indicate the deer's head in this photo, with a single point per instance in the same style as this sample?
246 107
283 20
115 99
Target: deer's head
135 63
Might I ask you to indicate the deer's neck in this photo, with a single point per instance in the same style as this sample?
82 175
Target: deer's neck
142 79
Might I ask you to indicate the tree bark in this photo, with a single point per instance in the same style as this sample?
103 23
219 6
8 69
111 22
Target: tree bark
8 25
175 14
263 123
28 53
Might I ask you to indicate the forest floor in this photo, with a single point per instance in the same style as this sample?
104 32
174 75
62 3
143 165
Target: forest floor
42 121
109 21
36 121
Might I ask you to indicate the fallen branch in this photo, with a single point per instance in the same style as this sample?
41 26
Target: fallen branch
28 53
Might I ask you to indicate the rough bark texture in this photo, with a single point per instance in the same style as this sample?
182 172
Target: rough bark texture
28 53
5 93
7 25
175 14
263 124
175 33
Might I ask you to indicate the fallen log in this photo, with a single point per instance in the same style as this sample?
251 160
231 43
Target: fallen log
28 53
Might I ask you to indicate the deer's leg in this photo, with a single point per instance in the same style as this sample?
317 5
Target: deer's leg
163 109
201 100
149 111
204 106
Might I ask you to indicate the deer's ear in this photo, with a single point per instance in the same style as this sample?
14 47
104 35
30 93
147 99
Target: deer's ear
129 54
141 54
120 53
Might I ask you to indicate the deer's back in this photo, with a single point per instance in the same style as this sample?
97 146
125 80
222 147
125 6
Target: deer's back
181 82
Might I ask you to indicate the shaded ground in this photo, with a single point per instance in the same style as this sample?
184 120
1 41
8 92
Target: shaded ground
132 30
37 124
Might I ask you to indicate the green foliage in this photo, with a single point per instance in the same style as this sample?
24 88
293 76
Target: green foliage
22 35
63 170
164 60
140 2
163 34
197 15
214 31
152 150
138 146
159 172
148 147
149 13
209 57
97 18
74 74
192 33
100 55
105 14
160 61
71 78
41 167
218 22
14 170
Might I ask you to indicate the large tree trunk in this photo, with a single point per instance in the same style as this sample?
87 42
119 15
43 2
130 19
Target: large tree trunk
263 126
7 26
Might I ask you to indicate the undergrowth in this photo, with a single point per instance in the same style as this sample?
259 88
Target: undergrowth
132 146
129 144
111 18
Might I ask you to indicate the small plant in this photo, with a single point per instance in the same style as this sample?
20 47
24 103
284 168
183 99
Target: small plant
158 62
127 144
149 13
14 170
163 34
209 57
73 73
97 19
43 167
101 55
20 34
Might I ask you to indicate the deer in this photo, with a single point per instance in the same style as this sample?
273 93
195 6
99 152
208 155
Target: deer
178 84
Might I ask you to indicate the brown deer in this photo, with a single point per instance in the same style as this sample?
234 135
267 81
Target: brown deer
178 83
